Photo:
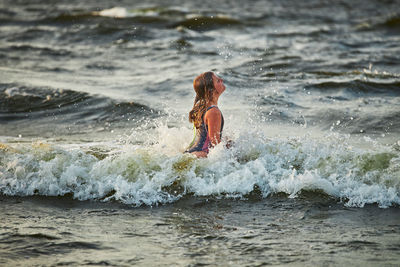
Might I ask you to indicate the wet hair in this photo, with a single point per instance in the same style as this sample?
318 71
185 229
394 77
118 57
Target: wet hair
203 86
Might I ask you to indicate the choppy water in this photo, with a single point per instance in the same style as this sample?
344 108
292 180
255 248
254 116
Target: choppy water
93 121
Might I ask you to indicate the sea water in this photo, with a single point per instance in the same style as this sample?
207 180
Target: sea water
94 99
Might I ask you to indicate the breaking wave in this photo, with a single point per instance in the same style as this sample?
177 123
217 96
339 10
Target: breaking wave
159 173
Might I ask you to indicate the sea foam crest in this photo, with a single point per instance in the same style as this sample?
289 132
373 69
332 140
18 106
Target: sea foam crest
160 173
122 12
115 12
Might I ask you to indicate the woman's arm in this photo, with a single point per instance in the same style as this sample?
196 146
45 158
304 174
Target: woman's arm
213 120
200 154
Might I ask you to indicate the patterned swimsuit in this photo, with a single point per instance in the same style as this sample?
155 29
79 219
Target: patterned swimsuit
202 139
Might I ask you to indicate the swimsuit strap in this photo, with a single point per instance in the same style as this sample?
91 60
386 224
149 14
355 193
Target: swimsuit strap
222 118
210 107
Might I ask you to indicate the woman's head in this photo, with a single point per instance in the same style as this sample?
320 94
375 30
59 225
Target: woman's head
204 85
219 85
207 86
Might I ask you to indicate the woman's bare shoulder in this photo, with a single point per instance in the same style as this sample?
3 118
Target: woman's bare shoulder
212 115
213 111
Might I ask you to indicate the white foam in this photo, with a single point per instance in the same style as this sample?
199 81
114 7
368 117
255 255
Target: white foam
122 12
158 172
115 12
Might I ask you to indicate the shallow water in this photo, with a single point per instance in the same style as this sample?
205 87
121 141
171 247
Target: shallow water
311 230
93 122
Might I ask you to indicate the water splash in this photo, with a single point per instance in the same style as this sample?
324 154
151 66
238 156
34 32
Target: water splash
159 173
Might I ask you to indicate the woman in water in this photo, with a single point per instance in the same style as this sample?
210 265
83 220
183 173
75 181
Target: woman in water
205 114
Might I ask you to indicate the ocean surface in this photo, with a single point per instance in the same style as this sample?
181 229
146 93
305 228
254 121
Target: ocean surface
94 101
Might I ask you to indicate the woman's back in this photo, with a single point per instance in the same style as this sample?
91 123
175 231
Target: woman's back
201 141
205 115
